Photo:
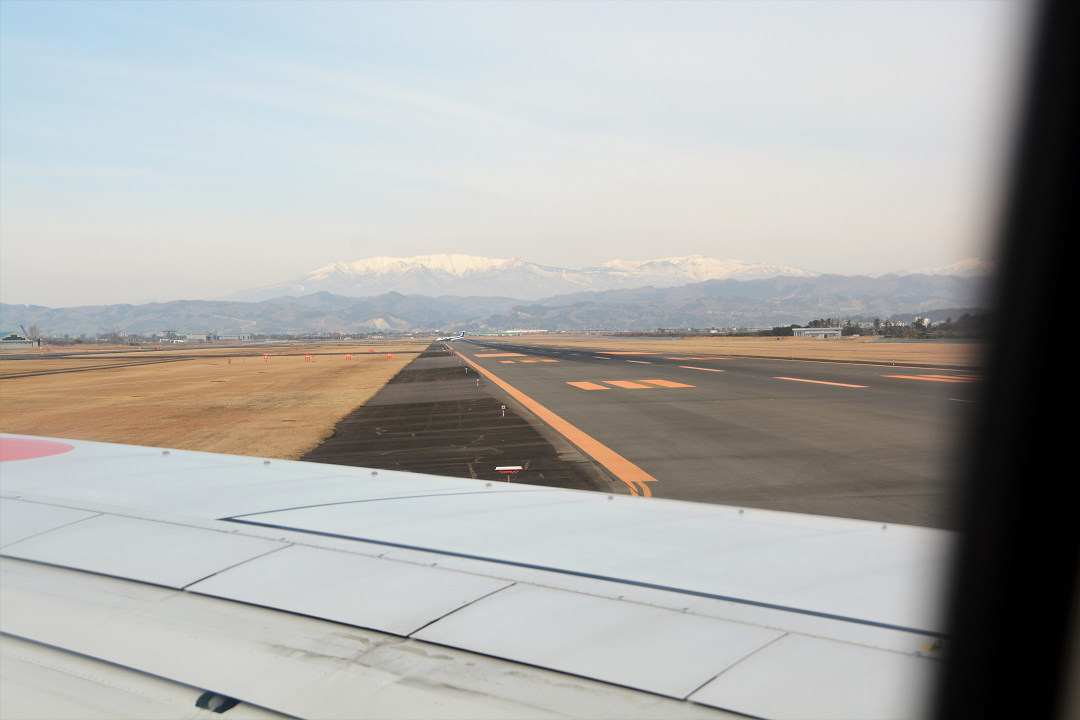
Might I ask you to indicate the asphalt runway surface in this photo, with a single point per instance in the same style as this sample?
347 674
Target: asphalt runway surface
849 440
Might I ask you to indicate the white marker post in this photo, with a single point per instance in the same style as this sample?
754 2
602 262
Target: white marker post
508 470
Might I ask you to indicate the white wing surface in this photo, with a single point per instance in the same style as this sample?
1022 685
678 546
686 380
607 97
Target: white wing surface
145 582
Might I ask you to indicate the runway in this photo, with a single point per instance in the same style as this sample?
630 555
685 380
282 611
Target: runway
864 441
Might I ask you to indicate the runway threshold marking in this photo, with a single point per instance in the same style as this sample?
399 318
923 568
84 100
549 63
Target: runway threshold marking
628 385
630 474
820 382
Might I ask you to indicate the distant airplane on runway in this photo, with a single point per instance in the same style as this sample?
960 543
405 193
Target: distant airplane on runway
451 339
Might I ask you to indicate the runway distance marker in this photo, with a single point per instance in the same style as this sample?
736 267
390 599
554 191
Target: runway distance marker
630 474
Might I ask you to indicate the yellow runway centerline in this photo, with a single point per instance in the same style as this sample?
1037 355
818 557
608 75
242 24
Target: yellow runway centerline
634 477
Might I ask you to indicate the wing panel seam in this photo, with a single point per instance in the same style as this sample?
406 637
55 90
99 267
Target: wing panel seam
245 561
459 608
607 578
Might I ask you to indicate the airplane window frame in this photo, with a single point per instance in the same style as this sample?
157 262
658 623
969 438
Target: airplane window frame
1012 622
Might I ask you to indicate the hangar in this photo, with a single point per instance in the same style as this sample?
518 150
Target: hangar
817 332
12 339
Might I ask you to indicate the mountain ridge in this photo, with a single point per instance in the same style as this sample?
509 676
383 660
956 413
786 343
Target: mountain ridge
712 303
459 274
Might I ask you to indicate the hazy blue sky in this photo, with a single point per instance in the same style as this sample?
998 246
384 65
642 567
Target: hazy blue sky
157 151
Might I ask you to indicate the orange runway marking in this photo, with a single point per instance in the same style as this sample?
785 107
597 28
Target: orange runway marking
628 385
691 367
667 383
694 358
640 362
588 386
498 355
819 382
522 361
933 378
506 361
623 352
634 477
548 360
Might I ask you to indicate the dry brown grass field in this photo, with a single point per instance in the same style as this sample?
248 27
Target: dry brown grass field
861 349
216 399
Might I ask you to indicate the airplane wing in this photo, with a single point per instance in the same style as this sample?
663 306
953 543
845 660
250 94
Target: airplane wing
143 582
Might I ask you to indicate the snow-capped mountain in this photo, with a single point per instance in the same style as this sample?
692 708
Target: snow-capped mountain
698 268
972 267
466 275
462 292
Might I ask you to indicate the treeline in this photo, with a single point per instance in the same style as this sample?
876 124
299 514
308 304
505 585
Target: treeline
136 339
968 326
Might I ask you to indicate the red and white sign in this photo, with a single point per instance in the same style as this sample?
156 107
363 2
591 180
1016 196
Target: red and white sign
508 470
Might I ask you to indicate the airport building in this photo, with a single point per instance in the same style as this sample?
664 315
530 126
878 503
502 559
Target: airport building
12 339
826 333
